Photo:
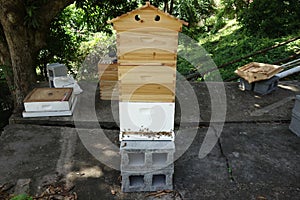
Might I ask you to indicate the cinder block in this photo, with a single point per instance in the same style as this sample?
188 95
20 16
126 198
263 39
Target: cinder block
266 86
148 181
245 85
146 155
295 124
297 105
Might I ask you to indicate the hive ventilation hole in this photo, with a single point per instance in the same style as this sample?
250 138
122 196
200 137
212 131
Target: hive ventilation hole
157 18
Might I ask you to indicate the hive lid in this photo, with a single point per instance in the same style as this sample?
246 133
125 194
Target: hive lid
255 71
49 94
148 7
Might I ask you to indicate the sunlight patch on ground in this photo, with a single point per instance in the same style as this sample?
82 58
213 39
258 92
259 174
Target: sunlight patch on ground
89 172
289 87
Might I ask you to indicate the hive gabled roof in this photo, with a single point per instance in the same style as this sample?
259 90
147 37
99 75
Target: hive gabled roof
148 5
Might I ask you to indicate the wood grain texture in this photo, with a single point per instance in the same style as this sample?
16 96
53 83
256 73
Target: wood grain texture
49 94
147 74
133 40
147 92
109 90
254 71
108 84
147 19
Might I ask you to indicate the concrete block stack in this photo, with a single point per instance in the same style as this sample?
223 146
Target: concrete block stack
147 166
147 41
295 122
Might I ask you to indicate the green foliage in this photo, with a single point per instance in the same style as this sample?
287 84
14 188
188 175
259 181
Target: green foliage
194 12
66 34
232 43
234 8
31 18
97 13
70 31
272 18
92 51
22 197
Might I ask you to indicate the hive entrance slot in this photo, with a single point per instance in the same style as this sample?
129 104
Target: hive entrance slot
159 180
136 181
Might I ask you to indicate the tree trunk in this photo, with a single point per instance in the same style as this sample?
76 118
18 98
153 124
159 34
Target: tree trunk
5 60
166 6
171 6
21 53
24 42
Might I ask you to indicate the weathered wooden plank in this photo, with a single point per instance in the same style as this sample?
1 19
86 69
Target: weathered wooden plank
49 94
254 71
109 90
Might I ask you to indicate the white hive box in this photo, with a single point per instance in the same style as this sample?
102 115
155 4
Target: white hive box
55 70
49 102
146 121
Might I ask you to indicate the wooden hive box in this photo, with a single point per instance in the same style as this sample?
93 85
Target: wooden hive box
147 41
44 102
254 71
108 81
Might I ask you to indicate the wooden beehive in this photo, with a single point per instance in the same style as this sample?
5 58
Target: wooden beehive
108 76
254 71
147 41
48 99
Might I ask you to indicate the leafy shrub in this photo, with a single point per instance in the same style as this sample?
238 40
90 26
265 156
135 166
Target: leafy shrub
271 18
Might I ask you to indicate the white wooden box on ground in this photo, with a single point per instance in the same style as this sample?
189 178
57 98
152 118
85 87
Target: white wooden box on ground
52 113
138 121
49 99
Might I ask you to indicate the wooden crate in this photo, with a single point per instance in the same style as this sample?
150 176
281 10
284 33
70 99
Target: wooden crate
108 81
254 71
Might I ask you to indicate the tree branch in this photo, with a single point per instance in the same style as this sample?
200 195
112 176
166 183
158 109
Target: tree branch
52 8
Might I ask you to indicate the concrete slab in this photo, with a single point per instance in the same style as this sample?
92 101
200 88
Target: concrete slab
251 161
35 152
91 112
264 159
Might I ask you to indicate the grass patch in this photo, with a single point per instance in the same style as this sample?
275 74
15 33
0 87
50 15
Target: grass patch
231 43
